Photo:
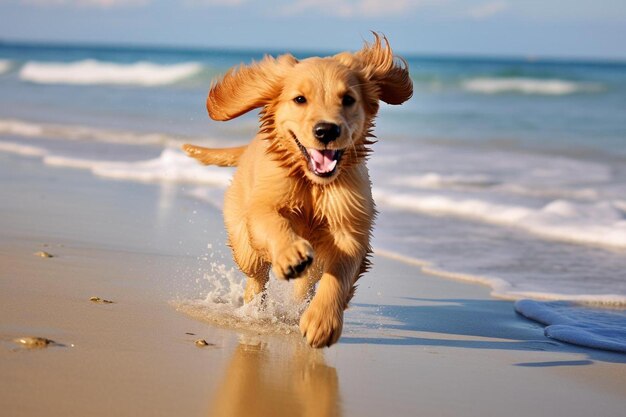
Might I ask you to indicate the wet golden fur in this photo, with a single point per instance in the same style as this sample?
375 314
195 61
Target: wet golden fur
279 214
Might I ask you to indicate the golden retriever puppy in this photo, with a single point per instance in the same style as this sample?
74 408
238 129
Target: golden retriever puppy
300 201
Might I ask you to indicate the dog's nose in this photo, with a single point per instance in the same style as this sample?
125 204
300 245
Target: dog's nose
326 132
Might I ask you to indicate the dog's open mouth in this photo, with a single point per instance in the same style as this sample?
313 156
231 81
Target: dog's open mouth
322 162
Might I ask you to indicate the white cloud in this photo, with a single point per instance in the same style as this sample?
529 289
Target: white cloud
104 4
357 8
377 7
226 3
486 10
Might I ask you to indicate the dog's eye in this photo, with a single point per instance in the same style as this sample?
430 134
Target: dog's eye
348 100
300 99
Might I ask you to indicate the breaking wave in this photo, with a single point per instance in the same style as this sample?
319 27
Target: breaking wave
76 132
171 166
92 72
598 223
5 66
550 87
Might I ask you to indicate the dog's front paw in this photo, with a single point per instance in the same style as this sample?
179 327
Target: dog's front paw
293 261
321 325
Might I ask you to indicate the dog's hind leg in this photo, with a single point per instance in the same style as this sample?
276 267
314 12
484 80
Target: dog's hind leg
256 269
304 288
255 283
246 257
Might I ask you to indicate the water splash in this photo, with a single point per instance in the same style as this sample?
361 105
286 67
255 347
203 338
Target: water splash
222 304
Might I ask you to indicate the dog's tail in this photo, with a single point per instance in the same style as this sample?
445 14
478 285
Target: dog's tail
223 157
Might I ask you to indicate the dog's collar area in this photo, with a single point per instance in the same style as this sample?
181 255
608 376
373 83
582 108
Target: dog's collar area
321 162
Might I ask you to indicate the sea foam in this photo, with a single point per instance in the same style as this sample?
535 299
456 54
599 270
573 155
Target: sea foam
555 87
171 166
92 72
433 180
579 325
21 149
5 66
89 133
490 183
599 223
503 289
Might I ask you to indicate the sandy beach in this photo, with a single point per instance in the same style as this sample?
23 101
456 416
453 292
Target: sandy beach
430 346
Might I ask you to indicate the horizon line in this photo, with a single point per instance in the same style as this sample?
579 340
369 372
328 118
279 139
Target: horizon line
304 51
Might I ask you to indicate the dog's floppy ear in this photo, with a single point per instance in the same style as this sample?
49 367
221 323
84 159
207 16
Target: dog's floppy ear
377 64
247 87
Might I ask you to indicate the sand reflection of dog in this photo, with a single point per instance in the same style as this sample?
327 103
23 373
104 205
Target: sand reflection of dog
300 202
261 382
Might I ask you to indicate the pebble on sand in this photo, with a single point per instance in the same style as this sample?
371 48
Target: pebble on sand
101 300
203 343
33 342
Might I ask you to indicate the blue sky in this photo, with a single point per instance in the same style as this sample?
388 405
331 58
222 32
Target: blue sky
560 28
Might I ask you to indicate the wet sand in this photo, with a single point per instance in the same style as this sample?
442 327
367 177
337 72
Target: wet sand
431 346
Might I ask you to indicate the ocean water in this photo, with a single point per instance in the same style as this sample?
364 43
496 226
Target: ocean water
508 172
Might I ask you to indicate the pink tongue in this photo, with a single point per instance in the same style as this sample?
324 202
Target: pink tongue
323 160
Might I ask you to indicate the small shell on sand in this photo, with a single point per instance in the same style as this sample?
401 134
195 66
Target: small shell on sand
43 254
101 300
33 342
203 343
